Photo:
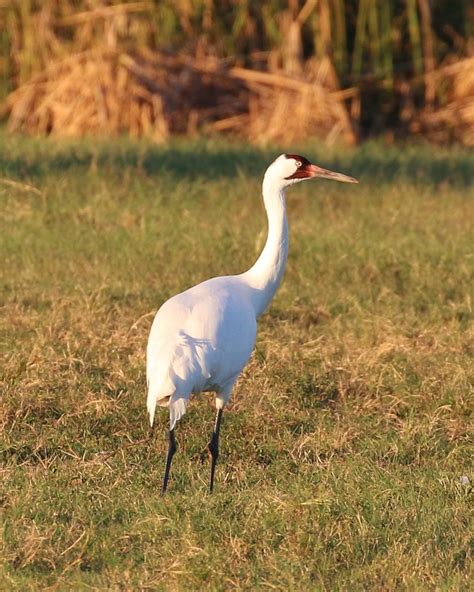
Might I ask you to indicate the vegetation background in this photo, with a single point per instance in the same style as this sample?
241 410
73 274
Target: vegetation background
153 67
346 459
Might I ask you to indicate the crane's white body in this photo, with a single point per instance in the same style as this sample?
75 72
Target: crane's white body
200 341
202 338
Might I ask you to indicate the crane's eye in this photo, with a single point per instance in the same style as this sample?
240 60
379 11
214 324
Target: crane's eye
298 163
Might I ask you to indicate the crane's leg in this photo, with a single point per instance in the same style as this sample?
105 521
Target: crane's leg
171 450
214 447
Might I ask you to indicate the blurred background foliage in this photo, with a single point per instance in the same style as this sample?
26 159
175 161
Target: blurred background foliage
409 61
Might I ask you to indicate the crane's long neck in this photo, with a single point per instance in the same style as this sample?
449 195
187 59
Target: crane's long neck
265 276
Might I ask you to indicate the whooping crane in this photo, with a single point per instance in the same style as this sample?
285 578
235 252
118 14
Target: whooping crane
201 339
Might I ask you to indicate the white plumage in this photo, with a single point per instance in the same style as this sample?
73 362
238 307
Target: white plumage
201 339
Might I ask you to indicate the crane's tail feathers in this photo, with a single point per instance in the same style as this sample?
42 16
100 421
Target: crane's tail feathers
160 385
167 371
177 410
151 406
158 396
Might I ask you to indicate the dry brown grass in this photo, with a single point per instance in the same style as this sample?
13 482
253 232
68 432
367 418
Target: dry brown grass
108 92
452 116
314 66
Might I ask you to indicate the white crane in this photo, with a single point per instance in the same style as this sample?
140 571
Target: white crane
202 338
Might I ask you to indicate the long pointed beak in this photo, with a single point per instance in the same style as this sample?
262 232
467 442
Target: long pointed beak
315 171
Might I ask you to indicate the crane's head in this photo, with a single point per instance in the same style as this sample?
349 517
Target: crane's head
293 168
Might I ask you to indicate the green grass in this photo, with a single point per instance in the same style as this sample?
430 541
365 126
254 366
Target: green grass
343 448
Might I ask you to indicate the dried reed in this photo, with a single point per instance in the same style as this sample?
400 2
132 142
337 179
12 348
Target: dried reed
378 47
105 91
453 117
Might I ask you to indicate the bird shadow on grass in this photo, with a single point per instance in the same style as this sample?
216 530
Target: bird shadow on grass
214 159
191 159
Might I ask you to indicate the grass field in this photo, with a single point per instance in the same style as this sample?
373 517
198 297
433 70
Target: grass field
345 452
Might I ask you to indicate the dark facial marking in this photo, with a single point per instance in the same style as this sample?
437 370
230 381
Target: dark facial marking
301 172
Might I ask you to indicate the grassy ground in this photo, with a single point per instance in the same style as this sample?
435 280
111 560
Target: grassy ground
344 447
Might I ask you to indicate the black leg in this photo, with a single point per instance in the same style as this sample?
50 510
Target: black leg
171 450
214 446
